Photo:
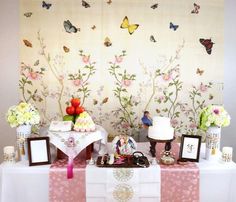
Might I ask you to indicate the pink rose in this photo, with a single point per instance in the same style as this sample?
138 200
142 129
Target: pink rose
77 82
118 59
126 82
86 59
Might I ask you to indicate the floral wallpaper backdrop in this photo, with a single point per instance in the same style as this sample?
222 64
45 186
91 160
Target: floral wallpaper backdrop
121 58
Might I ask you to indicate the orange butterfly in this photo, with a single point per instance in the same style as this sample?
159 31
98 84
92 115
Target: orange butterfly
66 49
27 43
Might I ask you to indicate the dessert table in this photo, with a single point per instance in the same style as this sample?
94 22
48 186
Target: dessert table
19 182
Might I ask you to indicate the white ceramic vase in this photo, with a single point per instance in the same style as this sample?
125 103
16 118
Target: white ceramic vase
23 132
213 136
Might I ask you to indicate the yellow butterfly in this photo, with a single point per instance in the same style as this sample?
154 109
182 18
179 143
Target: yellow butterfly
131 27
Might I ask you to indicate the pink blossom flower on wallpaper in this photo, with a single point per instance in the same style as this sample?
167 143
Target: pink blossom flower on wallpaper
118 59
167 77
125 125
77 82
61 77
160 98
126 82
174 122
193 125
86 59
33 75
203 88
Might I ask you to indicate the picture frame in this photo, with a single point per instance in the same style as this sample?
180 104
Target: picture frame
190 148
39 151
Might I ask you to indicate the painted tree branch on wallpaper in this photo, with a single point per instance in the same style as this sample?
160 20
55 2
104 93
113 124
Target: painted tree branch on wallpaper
123 81
81 79
55 72
28 75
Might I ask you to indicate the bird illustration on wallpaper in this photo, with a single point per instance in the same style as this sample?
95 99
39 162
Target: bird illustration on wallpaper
107 42
173 26
27 43
28 14
126 25
196 9
46 5
208 44
152 39
154 6
85 4
69 28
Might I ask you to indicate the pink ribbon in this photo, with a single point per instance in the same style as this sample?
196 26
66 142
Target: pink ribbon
70 168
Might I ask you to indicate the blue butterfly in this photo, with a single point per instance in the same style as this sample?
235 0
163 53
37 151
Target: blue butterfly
174 27
46 5
69 27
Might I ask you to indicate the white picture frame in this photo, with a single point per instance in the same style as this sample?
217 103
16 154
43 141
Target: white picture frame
39 151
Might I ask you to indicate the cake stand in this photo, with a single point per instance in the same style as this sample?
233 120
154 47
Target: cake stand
153 143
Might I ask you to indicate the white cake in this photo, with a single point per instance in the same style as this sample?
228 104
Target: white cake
161 129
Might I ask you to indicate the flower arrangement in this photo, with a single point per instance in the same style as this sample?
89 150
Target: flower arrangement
213 115
22 114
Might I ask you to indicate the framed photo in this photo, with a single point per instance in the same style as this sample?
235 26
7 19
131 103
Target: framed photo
39 151
190 148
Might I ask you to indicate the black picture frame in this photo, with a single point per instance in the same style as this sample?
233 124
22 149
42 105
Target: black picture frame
38 151
190 148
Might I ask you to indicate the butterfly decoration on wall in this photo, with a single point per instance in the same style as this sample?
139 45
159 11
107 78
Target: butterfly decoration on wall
208 44
46 5
95 101
28 14
199 71
93 27
66 49
105 100
27 43
211 96
152 39
154 6
107 42
131 27
196 9
69 27
85 4
174 27
36 63
109 2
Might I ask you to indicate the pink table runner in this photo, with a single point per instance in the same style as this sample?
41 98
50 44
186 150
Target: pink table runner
62 189
179 183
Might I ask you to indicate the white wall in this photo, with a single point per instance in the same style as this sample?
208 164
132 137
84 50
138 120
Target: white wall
229 133
9 63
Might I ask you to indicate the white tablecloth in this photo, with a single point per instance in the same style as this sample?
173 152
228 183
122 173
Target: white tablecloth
21 183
